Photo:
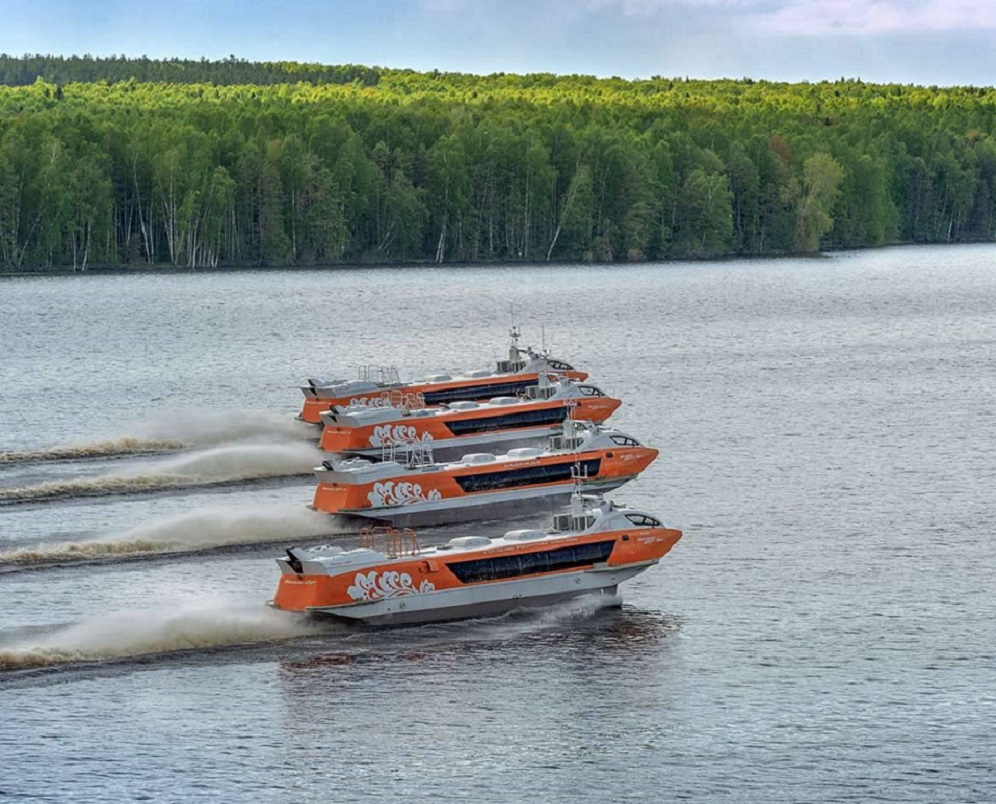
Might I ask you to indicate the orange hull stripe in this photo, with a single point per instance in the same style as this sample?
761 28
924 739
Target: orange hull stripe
615 463
299 592
313 407
344 439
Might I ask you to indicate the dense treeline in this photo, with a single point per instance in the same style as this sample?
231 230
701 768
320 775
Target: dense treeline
18 71
357 164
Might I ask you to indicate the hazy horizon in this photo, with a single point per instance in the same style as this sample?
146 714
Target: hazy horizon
926 42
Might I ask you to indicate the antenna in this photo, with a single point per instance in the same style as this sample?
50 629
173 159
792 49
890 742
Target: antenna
543 337
579 474
514 354
514 332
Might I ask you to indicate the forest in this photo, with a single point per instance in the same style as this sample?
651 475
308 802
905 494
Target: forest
117 162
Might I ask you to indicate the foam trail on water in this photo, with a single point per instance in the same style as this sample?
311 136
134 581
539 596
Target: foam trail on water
579 608
201 625
211 466
245 461
527 620
209 427
94 449
176 430
196 530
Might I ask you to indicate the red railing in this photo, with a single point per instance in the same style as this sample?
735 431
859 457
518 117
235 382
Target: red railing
404 400
393 542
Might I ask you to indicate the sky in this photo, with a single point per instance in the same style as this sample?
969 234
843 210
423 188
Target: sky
942 42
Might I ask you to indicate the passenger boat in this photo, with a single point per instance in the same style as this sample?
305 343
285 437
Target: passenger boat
590 549
480 485
459 427
380 385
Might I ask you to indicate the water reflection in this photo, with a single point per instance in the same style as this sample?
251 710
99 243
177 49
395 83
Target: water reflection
580 627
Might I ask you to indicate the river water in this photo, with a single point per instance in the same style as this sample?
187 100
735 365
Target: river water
823 632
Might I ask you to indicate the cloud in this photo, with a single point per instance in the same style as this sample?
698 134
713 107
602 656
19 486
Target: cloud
652 8
851 17
822 17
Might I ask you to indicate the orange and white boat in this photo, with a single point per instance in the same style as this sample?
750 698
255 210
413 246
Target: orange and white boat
481 485
459 427
589 550
379 385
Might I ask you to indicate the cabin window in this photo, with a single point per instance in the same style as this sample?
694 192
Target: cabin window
590 390
526 475
527 418
531 563
517 566
624 441
505 567
643 521
559 365
589 552
473 392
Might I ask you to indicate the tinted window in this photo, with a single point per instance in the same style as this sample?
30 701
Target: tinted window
505 567
534 562
526 475
493 569
526 418
643 521
476 571
625 441
589 552
483 391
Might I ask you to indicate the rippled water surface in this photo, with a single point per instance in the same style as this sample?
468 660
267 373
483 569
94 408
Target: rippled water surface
824 631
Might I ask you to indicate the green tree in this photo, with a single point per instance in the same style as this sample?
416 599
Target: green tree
822 175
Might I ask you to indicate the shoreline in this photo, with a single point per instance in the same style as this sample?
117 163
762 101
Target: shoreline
166 268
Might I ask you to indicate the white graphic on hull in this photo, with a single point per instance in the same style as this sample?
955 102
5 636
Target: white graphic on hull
391 493
369 402
378 586
398 434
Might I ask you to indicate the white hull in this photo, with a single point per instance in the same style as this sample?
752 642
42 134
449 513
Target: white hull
483 505
483 599
452 449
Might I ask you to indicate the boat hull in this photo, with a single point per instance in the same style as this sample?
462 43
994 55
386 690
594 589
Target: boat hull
481 600
372 431
473 576
477 486
488 505
318 400
455 448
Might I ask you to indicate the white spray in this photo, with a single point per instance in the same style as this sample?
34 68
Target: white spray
203 529
204 624
211 466
175 430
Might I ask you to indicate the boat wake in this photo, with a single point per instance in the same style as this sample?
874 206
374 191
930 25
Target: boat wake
201 428
218 465
173 431
528 620
579 609
408 643
95 449
193 531
121 635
